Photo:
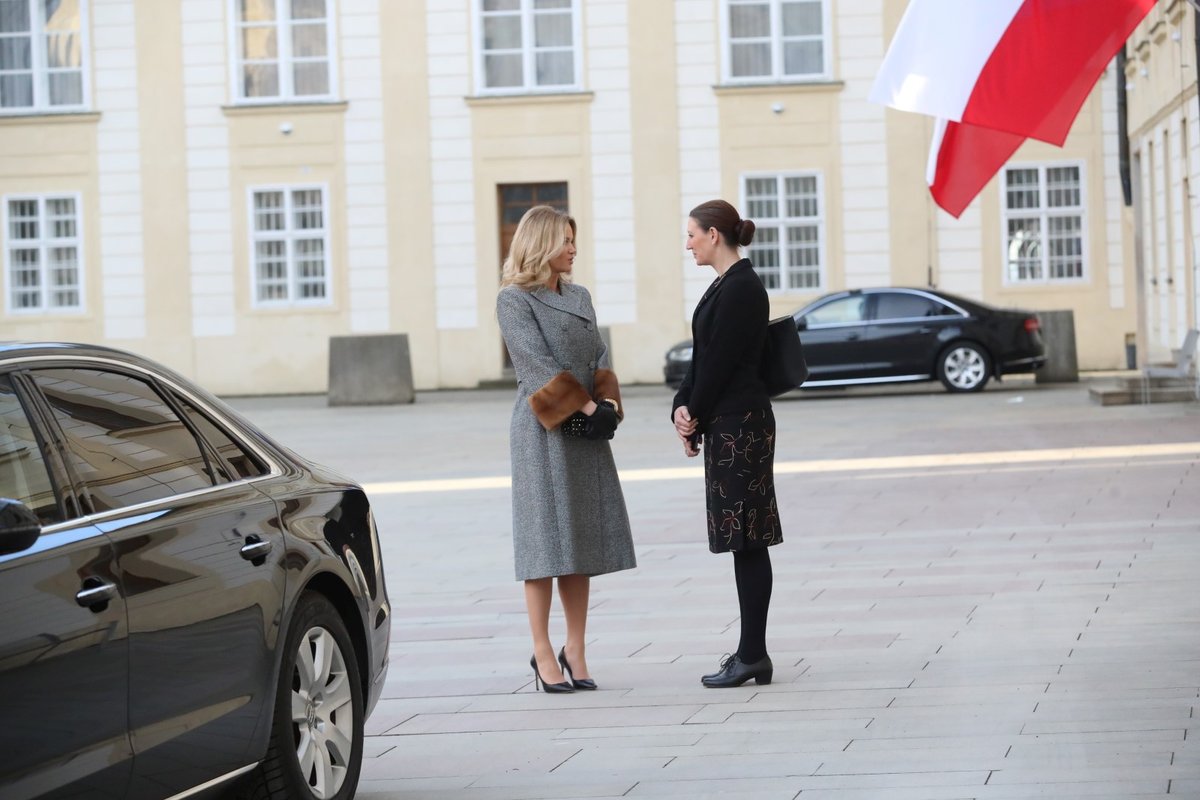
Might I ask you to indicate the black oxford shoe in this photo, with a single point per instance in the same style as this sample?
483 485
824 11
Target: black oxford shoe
735 672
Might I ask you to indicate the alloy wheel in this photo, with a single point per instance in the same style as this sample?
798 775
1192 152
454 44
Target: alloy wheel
964 368
322 713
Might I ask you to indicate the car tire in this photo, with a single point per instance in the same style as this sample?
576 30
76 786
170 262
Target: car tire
316 752
964 367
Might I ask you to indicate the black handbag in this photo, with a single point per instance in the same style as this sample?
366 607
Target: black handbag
783 367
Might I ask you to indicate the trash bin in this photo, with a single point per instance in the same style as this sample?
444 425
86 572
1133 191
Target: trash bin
370 370
1058 334
1131 351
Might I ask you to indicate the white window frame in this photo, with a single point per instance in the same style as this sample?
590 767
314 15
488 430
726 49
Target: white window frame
781 223
284 57
41 70
43 243
529 53
1043 213
777 75
289 235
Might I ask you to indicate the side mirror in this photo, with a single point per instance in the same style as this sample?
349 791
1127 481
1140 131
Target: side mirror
802 324
19 527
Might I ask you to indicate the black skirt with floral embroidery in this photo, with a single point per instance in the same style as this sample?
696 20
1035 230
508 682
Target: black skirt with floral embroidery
739 455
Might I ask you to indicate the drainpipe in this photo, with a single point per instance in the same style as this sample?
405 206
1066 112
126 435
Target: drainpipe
1123 121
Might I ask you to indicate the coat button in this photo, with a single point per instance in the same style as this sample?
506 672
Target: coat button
591 365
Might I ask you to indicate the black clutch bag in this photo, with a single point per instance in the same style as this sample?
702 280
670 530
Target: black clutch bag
575 425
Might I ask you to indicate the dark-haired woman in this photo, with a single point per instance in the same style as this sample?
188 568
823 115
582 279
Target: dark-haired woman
724 403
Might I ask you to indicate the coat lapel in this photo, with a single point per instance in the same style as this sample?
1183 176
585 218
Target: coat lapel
716 285
570 301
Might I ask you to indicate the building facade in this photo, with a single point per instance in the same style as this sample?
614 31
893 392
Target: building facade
1164 147
224 185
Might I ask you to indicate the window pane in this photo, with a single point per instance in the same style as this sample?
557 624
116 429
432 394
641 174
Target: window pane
270 260
14 16
268 211
762 201
555 69
259 42
905 306
16 91
66 89
124 442
552 30
1065 243
801 18
1024 250
801 196
747 21
23 473
308 210
308 9
16 53
1062 187
804 256
503 70
22 219
256 10
309 40
803 58
750 60
501 5
311 78
1021 189
764 254
502 32
62 51
540 4
243 463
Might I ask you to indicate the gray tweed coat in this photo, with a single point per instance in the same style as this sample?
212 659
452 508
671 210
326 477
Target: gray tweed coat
569 514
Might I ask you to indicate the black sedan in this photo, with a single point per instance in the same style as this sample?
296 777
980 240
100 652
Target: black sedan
892 335
188 607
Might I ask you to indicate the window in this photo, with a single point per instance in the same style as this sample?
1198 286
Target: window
850 310
1043 219
527 45
775 40
290 243
239 459
42 253
789 237
901 305
284 50
23 473
41 55
123 440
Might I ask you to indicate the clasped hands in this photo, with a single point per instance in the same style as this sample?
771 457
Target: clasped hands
601 423
685 427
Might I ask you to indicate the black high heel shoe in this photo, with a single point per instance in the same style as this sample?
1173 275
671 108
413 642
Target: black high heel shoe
582 683
549 688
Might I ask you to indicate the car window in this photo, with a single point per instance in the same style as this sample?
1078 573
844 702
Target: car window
243 463
124 442
900 305
840 311
24 476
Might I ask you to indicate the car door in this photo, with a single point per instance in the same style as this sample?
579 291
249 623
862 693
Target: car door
833 337
63 632
903 334
200 556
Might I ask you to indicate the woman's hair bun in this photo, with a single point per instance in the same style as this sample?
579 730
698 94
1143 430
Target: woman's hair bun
743 229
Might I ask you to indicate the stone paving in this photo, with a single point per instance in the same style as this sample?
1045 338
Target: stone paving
981 597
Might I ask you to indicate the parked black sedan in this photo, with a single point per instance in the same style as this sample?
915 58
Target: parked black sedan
188 607
891 335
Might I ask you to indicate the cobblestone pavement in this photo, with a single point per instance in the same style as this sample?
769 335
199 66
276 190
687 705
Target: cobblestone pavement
990 596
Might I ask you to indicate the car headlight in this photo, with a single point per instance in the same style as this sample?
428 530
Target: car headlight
682 354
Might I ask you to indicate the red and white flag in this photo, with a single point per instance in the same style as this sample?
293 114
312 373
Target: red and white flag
996 72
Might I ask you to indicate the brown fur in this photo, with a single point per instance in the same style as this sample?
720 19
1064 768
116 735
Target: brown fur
558 399
608 387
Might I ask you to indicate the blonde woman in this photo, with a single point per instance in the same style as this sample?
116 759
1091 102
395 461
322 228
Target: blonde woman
569 516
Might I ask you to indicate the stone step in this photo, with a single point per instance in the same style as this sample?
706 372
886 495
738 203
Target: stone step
1125 396
1139 382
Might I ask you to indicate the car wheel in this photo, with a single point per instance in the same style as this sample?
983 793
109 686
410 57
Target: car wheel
964 367
317 732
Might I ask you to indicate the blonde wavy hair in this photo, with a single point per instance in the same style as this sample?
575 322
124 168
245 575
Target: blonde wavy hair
539 238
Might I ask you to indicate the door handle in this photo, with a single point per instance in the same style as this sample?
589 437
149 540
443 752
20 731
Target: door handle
853 337
255 549
96 593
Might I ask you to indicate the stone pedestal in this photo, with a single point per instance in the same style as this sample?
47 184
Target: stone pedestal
1062 361
370 370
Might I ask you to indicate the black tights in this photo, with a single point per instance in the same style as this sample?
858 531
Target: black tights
752 569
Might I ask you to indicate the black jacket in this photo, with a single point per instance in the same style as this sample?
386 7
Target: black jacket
729 329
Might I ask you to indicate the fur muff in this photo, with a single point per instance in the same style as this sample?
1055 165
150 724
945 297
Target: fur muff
558 399
607 387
